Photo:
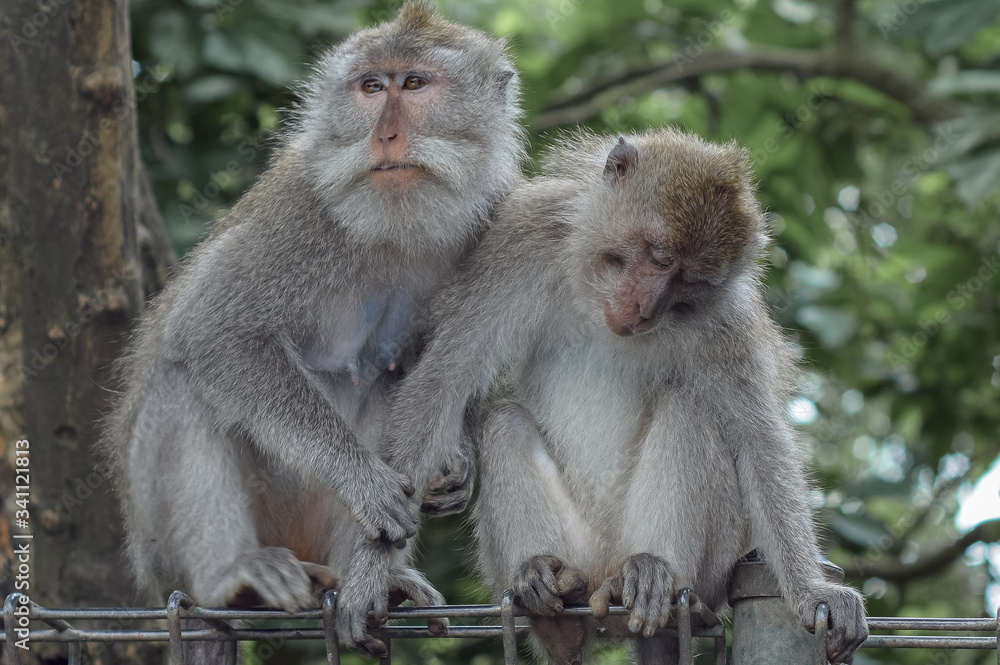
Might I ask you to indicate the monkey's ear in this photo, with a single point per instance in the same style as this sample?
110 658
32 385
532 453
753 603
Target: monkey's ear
622 159
503 78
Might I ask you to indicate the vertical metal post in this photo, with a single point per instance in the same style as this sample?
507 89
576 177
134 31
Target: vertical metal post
175 603
330 628
821 627
9 625
684 639
720 649
507 624
75 655
764 628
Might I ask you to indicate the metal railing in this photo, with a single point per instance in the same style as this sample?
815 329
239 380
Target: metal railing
692 619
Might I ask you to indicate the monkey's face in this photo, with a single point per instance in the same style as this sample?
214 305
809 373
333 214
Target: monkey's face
679 223
641 282
397 99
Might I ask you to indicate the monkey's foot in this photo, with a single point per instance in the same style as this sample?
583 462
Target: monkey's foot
409 584
646 587
451 492
272 576
848 626
544 584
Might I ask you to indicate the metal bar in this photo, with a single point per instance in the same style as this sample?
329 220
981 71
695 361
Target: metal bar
920 623
997 637
330 628
928 642
388 651
821 627
686 648
9 626
175 604
720 649
509 629
75 654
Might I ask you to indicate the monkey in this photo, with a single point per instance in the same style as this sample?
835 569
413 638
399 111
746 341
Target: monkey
244 437
632 437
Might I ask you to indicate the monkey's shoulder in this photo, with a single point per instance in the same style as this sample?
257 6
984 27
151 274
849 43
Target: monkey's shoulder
537 215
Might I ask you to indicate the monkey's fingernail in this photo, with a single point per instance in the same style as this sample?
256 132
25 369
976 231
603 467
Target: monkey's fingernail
634 625
392 367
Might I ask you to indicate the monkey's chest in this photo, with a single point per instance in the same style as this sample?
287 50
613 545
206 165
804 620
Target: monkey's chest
361 340
593 417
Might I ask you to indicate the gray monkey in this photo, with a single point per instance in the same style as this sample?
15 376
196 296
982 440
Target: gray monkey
633 438
259 381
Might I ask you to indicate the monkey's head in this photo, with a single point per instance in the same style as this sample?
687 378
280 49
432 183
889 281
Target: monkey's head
411 128
672 226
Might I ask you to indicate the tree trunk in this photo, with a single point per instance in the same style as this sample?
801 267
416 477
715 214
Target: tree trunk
81 245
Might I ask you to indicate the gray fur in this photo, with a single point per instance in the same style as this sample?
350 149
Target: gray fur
258 383
639 464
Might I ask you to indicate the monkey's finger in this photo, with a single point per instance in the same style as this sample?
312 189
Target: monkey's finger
446 504
407 486
637 620
438 626
369 647
321 575
605 595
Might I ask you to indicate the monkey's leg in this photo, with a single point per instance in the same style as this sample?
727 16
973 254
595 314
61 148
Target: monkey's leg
191 516
524 522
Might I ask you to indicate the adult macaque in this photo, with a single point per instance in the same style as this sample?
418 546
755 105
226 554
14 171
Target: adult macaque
634 441
258 383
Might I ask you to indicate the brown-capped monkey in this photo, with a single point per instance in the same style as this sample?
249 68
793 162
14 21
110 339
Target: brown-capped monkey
258 382
633 440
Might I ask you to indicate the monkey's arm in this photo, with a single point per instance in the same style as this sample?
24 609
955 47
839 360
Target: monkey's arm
259 382
487 317
773 483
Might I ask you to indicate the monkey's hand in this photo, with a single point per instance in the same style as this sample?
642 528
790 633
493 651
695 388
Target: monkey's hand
646 587
848 625
451 492
543 585
409 584
380 502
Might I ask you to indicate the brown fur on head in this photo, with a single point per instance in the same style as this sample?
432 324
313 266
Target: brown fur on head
674 219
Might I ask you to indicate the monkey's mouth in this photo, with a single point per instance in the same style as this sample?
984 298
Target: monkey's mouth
386 166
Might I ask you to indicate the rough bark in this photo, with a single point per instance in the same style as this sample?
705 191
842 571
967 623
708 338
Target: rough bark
81 244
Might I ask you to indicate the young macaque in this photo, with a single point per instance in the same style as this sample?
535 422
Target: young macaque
633 438
259 381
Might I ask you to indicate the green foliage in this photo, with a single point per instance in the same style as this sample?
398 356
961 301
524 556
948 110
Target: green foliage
884 268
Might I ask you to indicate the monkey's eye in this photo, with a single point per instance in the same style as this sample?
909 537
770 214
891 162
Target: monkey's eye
414 82
613 260
371 86
659 255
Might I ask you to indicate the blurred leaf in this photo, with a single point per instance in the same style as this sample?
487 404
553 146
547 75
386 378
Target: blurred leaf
860 529
173 42
223 52
944 25
977 176
212 89
833 327
965 82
